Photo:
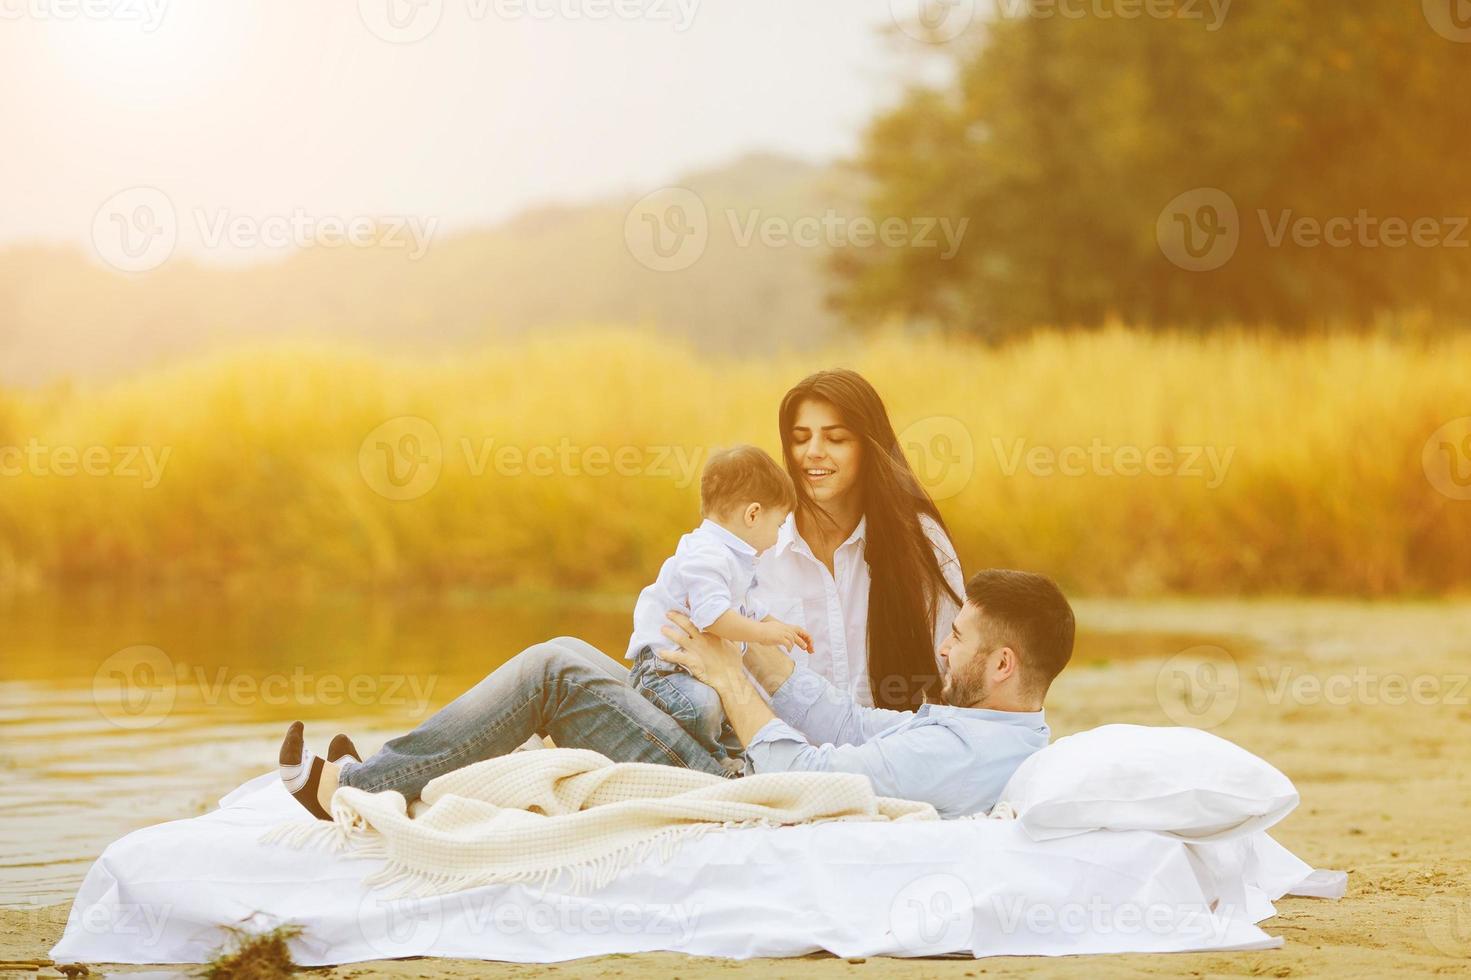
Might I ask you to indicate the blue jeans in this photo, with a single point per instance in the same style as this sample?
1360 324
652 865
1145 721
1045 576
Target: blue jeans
692 703
564 689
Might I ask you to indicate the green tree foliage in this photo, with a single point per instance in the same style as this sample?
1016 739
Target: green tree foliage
1064 138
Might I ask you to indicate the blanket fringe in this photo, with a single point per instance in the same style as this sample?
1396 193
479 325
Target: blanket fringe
462 845
574 879
580 878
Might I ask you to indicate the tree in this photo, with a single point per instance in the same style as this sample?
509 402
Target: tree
1334 130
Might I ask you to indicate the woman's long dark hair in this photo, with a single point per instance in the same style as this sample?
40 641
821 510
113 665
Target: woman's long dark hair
905 581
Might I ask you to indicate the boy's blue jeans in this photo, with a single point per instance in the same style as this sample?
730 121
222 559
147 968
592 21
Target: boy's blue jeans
692 703
563 688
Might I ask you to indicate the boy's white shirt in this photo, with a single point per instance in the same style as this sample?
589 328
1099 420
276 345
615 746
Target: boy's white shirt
711 571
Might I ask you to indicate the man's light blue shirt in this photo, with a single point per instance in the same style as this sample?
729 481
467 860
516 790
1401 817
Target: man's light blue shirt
958 759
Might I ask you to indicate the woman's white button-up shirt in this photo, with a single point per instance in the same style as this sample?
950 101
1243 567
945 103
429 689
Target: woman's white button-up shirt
833 606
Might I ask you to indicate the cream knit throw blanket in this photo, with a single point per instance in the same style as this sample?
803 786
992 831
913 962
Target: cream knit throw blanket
537 816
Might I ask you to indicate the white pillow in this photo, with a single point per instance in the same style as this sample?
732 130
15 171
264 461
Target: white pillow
1178 781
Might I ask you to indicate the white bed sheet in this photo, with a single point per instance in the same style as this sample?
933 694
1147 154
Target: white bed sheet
973 887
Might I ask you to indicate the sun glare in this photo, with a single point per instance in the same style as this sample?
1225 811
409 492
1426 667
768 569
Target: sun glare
148 51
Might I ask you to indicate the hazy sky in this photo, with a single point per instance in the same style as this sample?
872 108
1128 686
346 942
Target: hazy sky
340 107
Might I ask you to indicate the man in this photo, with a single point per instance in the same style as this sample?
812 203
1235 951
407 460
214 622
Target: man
1011 638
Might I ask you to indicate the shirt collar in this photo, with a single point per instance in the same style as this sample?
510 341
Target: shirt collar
1028 719
727 538
788 537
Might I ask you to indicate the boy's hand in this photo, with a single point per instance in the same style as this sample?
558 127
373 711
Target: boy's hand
775 633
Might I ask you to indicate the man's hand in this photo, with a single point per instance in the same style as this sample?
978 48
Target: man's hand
710 659
775 633
717 662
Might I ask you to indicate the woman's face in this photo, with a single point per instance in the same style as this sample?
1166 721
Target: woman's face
825 452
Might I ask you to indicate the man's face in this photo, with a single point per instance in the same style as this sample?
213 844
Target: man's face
967 660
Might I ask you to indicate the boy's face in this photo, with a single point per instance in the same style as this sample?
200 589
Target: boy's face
766 527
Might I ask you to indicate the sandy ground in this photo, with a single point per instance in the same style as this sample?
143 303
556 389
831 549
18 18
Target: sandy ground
1365 707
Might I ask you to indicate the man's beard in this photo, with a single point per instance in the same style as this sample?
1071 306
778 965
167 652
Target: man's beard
962 690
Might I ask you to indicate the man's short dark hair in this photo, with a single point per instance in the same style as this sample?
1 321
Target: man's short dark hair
1029 613
744 475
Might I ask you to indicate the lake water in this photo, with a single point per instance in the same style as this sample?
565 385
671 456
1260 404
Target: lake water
120 713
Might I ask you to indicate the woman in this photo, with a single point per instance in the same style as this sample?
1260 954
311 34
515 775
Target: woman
865 563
